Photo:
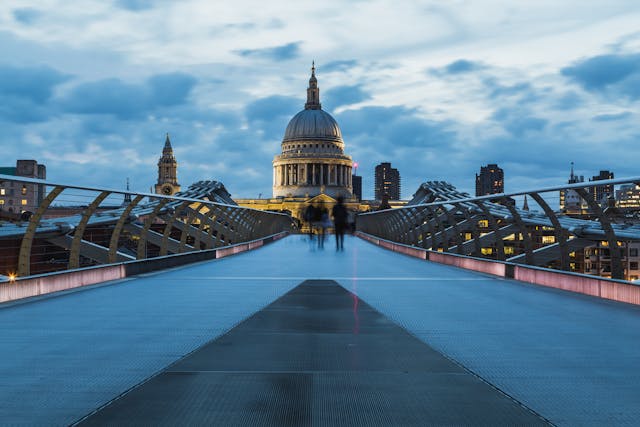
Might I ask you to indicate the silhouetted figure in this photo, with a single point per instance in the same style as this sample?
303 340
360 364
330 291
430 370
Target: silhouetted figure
309 216
340 222
324 223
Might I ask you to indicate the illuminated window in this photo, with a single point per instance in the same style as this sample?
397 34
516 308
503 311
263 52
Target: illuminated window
508 250
1 202
23 202
2 191
467 236
548 239
24 190
483 223
487 251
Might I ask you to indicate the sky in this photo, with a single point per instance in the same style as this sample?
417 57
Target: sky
90 88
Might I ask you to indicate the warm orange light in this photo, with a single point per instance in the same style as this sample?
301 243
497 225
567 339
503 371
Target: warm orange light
12 277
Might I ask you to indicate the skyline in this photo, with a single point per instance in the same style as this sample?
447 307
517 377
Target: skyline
437 91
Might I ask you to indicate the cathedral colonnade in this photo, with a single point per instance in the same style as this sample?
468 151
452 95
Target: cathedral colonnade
312 174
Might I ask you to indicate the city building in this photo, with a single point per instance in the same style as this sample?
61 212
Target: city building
570 201
490 180
387 182
628 196
312 161
16 197
600 193
356 181
167 171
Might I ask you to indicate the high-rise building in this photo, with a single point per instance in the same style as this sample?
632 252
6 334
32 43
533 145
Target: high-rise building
600 193
387 181
356 181
570 201
16 197
167 171
490 180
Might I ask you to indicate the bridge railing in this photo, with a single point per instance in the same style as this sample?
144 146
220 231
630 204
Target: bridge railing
47 227
586 236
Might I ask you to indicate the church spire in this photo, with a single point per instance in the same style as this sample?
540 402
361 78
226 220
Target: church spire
572 176
313 92
167 146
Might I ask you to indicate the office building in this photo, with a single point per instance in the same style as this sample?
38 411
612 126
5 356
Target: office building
490 180
387 181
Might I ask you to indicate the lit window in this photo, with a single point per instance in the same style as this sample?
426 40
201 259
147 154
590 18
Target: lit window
23 202
24 190
548 239
1 202
2 191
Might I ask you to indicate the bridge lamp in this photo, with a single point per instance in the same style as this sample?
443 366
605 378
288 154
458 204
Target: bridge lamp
12 277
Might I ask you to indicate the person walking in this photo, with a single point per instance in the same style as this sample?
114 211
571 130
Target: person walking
309 216
340 222
325 223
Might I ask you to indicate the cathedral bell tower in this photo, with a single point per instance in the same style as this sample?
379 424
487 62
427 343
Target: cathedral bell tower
167 171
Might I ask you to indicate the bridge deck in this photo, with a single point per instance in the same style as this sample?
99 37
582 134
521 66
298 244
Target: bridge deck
571 358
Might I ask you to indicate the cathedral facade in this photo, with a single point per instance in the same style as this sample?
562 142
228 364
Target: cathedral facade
312 161
312 167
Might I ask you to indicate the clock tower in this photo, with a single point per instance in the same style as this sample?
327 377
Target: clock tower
167 171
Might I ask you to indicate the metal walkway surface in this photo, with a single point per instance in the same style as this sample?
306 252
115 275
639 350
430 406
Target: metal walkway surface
570 358
316 356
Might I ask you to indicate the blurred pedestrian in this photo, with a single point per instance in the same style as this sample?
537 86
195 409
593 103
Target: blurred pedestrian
324 223
309 216
340 222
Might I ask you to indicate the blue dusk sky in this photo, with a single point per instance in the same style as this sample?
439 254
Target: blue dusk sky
90 88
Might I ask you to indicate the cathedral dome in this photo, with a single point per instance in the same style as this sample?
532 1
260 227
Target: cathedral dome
312 125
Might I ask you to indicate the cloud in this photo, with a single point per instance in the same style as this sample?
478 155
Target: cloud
171 89
340 65
497 90
26 16
519 122
270 115
127 100
568 101
462 66
277 53
612 74
32 83
612 117
26 93
135 5
345 95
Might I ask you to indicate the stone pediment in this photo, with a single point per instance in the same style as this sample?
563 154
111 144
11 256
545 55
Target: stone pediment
320 198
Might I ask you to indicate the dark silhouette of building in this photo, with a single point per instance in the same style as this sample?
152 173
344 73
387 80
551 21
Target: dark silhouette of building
601 192
387 181
356 181
490 180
